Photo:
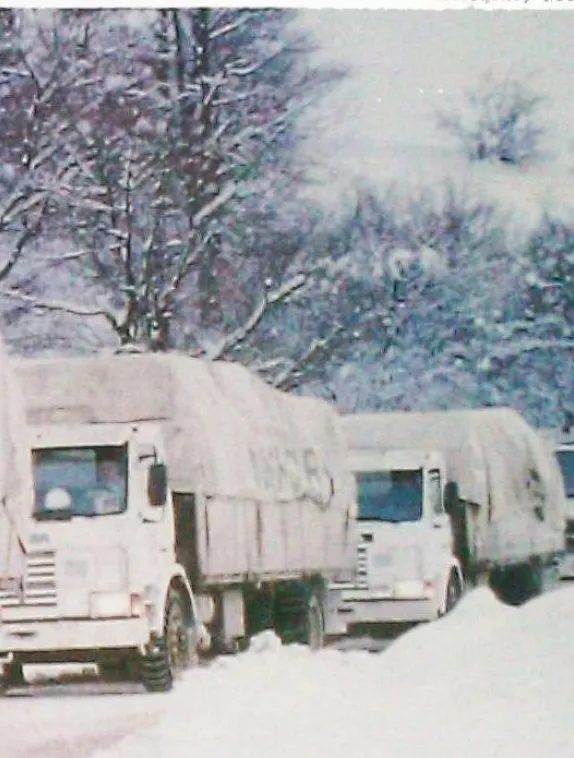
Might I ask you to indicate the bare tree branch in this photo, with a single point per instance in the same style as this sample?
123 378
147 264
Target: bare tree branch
54 305
268 300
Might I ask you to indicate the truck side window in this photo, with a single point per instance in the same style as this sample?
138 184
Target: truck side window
435 492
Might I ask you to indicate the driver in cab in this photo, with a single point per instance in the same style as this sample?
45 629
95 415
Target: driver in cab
111 486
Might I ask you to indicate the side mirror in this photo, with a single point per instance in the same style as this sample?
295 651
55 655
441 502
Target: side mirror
157 484
451 497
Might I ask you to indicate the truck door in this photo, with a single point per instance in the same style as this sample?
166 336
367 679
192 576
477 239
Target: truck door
441 533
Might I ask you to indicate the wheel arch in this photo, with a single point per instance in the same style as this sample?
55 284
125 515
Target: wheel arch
175 580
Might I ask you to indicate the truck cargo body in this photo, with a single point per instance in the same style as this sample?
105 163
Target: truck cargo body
501 488
255 519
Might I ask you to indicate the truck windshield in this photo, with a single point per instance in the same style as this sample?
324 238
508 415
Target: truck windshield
394 496
566 461
79 481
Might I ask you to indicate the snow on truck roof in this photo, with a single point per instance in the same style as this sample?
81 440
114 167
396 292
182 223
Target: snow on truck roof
496 458
227 430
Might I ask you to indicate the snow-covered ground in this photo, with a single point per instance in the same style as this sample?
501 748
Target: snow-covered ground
488 681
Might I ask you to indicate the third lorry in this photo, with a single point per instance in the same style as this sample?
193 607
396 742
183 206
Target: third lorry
445 500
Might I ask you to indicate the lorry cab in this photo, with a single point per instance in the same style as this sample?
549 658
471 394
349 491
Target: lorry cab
404 539
101 507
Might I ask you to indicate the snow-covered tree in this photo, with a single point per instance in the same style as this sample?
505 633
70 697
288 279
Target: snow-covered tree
36 90
453 270
190 123
498 120
43 87
149 194
352 301
541 337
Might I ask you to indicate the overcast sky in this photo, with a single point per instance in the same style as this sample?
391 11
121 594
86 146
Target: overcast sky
406 64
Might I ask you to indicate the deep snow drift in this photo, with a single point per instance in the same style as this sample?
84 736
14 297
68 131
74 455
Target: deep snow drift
486 681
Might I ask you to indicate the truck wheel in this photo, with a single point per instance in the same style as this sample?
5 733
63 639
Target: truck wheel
315 623
171 655
516 585
453 592
298 615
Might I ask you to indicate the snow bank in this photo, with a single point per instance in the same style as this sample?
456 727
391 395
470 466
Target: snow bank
486 681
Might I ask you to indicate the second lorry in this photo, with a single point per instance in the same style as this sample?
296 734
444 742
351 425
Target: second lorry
449 499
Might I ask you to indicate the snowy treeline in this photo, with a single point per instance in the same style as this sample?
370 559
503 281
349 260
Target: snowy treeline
152 191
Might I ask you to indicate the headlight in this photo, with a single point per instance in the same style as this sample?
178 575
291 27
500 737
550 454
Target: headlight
110 605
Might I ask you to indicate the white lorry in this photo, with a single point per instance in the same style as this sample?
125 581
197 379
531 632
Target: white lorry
447 498
173 495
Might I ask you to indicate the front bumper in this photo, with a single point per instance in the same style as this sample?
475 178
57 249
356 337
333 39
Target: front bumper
69 640
368 607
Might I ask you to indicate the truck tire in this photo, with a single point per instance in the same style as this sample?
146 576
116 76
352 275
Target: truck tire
453 592
298 614
315 622
171 654
516 585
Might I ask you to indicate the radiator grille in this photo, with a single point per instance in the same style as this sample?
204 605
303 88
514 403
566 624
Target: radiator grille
38 585
362 566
